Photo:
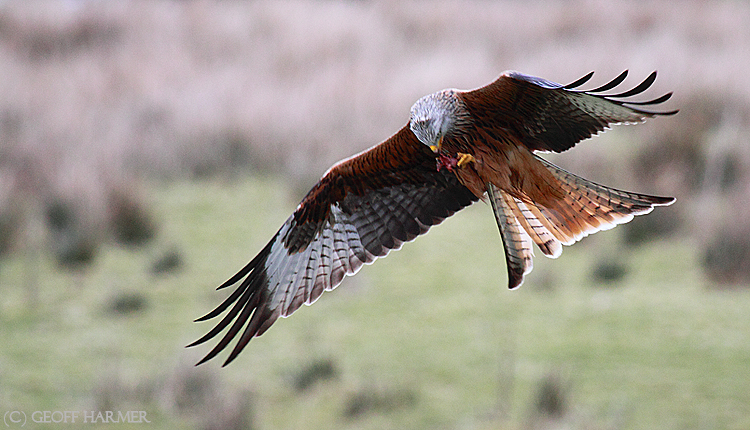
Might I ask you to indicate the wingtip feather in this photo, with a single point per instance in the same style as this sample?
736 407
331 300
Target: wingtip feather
578 82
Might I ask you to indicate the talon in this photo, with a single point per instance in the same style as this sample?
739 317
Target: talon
464 159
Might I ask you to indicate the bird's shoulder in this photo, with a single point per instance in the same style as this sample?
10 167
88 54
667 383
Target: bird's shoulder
398 159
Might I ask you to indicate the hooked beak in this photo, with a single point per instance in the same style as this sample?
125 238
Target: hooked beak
436 148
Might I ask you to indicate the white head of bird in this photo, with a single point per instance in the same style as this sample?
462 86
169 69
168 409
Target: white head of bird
434 116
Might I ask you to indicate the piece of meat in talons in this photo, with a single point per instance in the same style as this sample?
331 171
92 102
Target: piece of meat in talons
451 162
447 161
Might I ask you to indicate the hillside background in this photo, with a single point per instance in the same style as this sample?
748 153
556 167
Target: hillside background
148 149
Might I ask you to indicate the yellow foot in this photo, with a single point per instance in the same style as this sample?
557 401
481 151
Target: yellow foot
464 159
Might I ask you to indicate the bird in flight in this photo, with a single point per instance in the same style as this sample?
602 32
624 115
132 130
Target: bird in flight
458 147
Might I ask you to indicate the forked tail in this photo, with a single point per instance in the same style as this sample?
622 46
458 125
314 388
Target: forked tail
586 208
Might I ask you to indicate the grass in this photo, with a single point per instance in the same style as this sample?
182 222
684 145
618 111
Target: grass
430 335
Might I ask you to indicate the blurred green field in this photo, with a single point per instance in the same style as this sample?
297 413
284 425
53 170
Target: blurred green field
426 338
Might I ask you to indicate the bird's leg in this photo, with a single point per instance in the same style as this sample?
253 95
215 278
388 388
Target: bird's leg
464 159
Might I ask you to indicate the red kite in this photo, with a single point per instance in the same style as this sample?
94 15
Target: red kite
458 147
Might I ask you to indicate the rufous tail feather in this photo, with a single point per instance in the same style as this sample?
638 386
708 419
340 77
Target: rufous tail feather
586 208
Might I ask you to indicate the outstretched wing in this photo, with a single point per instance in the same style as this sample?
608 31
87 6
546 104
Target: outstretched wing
547 116
362 208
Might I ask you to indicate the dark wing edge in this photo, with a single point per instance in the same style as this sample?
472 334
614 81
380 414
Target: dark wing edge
361 209
617 98
547 116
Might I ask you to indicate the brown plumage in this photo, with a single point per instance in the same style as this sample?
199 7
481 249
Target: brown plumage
458 147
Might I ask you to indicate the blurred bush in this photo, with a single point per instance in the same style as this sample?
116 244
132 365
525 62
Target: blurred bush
608 272
129 219
367 401
170 261
726 258
127 303
318 370
72 242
